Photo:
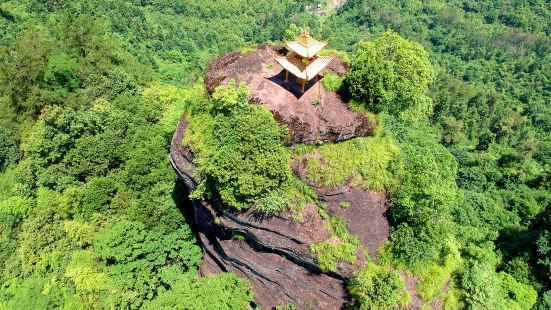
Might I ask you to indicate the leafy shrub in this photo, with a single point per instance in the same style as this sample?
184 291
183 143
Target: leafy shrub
129 250
544 302
82 233
482 287
60 74
8 149
544 250
230 97
432 278
84 271
520 296
425 194
222 292
332 82
391 74
378 288
243 159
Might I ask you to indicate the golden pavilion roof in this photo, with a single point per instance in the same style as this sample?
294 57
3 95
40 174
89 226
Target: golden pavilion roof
305 45
303 68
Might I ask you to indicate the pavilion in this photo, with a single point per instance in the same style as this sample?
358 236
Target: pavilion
303 60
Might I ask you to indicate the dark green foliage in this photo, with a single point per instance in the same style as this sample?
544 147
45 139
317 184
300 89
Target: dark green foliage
490 111
88 208
391 74
84 137
133 254
127 241
244 160
226 291
487 290
544 302
9 152
482 287
60 74
544 252
375 287
425 195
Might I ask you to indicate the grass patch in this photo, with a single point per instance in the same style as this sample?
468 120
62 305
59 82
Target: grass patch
341 247
452 299
239 236
343 56
365 161
248 49
315 102
344 204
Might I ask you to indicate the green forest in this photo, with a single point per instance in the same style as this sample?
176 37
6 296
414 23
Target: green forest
93 216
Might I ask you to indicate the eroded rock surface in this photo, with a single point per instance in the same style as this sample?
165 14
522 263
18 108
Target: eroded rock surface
274 256
363 210
308 121
273 253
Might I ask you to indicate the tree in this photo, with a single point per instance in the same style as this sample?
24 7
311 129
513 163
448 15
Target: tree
225 292
135 259
391 74
9 152
245 159
60 74
292 32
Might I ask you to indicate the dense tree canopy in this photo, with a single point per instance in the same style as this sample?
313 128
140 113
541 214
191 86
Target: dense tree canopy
391 74
91 91
248 135
489 93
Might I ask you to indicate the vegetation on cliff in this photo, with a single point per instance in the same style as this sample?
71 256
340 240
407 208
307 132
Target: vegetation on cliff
240 153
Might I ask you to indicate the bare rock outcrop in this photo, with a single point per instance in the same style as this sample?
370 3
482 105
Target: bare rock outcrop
316 115
274 256
272 252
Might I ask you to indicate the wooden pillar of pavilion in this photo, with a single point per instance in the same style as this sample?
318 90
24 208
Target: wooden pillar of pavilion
286 76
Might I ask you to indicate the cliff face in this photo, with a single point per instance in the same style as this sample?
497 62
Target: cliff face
272 252
274 255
